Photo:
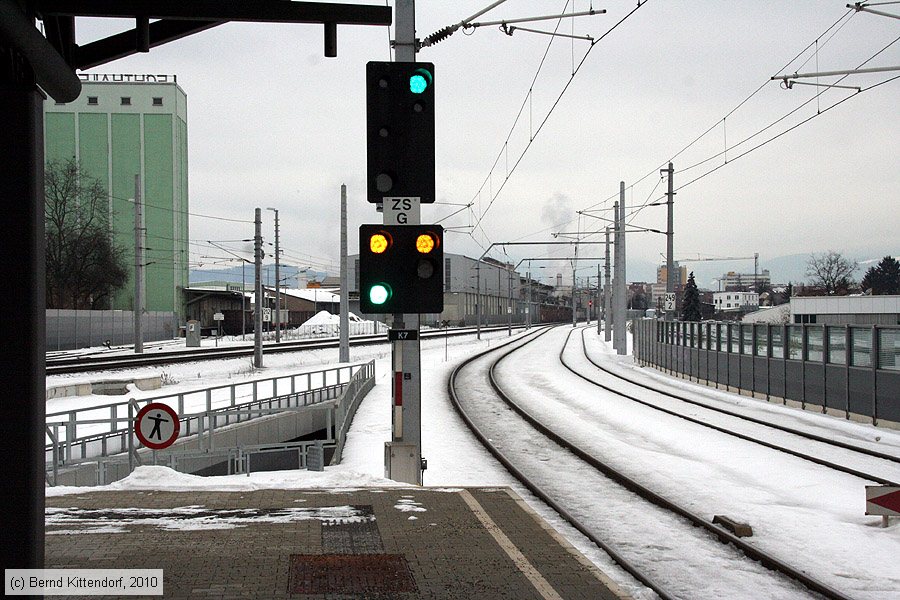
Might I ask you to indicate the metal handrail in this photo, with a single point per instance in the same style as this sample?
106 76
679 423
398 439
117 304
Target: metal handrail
341 414
70 440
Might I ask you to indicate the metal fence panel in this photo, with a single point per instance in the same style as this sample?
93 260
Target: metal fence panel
861 392
777 342
837 345
746 375
814 381
889 349
888 395
761 367
694 361
734 369
794 380
722 368
72 329
836 390
777 379
832 366
861 344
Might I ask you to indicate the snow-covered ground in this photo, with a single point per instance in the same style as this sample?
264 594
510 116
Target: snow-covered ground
788 501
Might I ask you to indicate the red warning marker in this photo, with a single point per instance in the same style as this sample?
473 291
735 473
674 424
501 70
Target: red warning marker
883 500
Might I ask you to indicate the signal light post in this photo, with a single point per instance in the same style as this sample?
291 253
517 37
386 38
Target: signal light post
398 275
401 271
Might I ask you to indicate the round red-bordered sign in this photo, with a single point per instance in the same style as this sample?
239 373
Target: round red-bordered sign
157 426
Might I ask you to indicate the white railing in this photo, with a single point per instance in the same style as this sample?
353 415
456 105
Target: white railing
103 430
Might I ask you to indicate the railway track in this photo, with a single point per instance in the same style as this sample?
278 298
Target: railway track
650 530
780 437
58 365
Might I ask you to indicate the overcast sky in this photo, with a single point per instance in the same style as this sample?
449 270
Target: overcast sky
273 123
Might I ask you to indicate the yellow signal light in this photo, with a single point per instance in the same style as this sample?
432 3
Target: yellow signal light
425 243
379 242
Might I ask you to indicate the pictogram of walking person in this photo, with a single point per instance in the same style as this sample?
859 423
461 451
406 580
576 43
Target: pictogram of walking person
157 419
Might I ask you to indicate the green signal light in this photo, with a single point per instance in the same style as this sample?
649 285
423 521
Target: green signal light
419 81
379 293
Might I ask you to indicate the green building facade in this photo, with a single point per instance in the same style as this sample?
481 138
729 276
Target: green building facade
122 126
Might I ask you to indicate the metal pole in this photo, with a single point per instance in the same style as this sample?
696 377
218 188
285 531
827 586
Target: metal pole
478 299
260 301
617 256
131 435
243 299
621 296
574 284
598 305
528 317
509 301
344 351
670 241
406 357
138 267
277 283
607 295
405 32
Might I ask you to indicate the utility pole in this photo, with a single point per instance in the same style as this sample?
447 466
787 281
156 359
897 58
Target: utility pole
607 295
344 349
574 321
621 286
670 242
599 306
478 299
138 267
260 301
509 302
528 306
277 282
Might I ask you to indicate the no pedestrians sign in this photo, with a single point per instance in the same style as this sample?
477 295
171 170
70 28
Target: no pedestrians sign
157 426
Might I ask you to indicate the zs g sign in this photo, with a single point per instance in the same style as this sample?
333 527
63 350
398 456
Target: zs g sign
401 211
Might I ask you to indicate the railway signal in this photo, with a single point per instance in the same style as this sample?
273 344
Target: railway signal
401 269
400 131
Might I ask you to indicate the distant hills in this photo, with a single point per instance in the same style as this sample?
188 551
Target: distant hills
782 269
290 276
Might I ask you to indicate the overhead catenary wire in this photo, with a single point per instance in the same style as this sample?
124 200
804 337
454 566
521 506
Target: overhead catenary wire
550 111
815 98
833 29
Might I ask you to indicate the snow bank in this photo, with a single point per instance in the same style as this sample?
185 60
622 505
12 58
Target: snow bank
163 478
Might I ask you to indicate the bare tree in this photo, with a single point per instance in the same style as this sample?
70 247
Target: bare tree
84 265
831 272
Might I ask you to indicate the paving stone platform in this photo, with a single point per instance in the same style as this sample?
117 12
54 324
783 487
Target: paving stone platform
403 543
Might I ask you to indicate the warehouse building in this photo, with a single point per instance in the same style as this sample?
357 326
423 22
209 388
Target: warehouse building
122 126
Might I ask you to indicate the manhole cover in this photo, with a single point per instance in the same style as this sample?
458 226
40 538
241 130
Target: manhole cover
350 574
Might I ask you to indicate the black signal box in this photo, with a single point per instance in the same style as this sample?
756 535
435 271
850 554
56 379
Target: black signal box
401 269
400 131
